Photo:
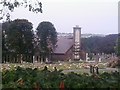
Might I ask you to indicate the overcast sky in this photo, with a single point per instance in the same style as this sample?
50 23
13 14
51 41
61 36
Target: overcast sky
94 16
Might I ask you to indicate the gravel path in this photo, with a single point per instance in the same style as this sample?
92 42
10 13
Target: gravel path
88 70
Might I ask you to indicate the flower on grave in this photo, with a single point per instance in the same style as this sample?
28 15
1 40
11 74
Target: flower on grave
8 65
15 65
60 64
73 64
50 64
36 86
20 81
62 86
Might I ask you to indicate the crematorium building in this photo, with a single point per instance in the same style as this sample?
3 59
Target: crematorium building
69 47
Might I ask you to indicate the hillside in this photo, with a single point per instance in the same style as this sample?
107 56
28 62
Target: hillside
98 44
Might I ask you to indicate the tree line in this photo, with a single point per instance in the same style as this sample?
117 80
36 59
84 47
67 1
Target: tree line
21 41
97 44
19 38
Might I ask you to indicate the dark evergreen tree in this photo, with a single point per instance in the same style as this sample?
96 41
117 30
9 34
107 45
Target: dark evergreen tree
48 38
118 46
19 37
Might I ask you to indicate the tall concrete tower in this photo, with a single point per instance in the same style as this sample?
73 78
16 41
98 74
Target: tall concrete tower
77 42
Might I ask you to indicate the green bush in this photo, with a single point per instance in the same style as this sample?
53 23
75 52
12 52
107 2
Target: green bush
33 78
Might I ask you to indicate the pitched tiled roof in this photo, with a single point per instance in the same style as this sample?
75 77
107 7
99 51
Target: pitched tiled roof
64 43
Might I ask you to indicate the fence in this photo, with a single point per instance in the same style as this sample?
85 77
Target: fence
16 58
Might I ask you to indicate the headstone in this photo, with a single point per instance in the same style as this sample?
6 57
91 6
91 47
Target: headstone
97 54
80 60
112 55
46 59
70 60
33 59
41 60
87 58
99 59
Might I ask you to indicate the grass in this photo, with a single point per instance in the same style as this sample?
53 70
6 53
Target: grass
78 67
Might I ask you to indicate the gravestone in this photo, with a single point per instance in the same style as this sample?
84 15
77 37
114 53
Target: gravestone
87 58
99 59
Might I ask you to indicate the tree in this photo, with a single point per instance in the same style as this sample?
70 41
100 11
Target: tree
5 27
10 5
19 36
98 44
48 38
118 46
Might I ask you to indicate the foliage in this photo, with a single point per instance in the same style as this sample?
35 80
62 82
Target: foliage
18 36
48 38
98 44
118 46
32 5
5 27
114 63
33 78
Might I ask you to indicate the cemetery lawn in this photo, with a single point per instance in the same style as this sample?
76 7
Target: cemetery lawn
66 67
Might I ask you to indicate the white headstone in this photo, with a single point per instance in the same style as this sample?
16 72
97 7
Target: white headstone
87 58
46 59
33 59
70 60
100 59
